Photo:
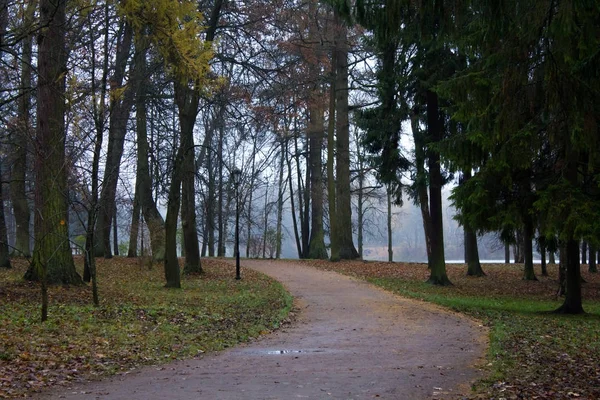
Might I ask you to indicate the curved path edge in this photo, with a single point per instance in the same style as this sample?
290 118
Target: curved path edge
351 340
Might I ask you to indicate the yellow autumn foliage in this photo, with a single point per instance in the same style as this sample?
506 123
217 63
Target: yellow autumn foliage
175 28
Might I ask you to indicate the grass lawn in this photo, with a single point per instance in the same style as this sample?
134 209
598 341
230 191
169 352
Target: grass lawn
534 354
139 322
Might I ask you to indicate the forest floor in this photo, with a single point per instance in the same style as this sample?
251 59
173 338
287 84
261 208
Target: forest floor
533 353
138 322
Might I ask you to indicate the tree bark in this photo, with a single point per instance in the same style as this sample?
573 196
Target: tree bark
4 256
472 252
584 250
572 303
592 266
135 225
210 206
343 203
187 99
250 198
316 247
52 258
171 264
153 218
389 225
437 262
280 190
507 253
544 266
120 107
527 240
18 195
304 225
293 208
422 194
331 194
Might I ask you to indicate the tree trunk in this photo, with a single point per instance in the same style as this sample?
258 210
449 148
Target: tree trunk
250 198
421 177
304 226
280 190
551 259
527 240
4 256
135 225
220 219
210 206
153 218
544 267
172 274
120 107
360 207
331 195
437 262
507 253
187 99
266 222
592 267
115 233
343 203
293 208
472 252
584 250
316 247
23 134
572 303
519 247
389 226
52 258
99 112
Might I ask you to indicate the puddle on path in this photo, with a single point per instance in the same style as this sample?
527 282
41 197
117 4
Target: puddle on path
277 352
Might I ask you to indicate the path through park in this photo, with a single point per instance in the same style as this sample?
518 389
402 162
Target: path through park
350 341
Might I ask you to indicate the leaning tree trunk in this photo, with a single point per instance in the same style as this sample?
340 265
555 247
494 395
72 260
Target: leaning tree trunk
343 205
23 134
422 194
120 107
135 225
437 262
52 258
172 273
153 218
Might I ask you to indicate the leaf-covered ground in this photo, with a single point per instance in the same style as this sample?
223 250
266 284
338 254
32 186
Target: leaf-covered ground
534 354
139 322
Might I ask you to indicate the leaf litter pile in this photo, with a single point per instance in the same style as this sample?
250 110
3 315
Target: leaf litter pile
138 322
534 353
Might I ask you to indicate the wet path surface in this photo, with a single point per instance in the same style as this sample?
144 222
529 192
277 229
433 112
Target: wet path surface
350 341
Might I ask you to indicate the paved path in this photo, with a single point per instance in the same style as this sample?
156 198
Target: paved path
351 341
